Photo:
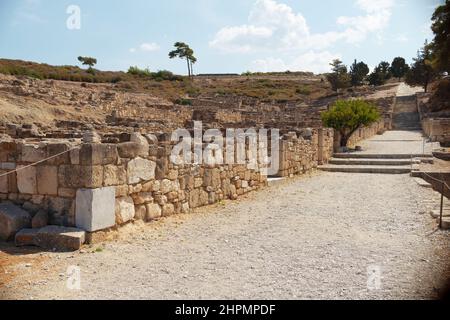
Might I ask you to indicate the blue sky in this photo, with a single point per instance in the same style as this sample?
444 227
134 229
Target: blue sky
227 35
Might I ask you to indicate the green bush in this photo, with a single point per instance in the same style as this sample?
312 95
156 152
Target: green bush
347 116
184 102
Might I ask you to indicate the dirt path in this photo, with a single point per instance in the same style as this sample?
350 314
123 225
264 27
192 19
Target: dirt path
309 237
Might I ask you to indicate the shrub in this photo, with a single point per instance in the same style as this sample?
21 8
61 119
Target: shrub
347 116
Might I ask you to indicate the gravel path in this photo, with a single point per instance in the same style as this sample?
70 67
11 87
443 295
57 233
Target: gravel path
398 142
307 238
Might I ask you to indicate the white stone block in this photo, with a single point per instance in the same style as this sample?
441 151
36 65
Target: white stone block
95 209
26 180
140 170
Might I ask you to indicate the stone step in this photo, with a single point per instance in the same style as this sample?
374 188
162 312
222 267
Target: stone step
366 169
52 238
380 156
373 162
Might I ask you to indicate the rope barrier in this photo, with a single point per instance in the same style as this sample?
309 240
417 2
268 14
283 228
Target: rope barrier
38 162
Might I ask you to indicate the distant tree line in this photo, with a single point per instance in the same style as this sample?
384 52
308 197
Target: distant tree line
359 73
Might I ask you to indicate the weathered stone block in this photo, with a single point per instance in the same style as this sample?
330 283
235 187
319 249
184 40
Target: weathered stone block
140 212
59 154
12 219
26 180
143 144
47 180
128 150
168 210
114 175
95 208
40 220
26 237
70 176
124 210
33 153
67 193
98 154
153 211
142 198
60 238
140 170
3 182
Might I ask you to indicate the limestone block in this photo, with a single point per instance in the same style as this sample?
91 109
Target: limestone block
153 211
47 180
95 208
26 180
59 149
124 211
142 198
122 191
60 238
75 156
26 237
98 154
185 207
71 176
140 170
33 153
12 219
141 212
40 220
143 143
67 193
3 182
166 186
128 150
168 210
114 175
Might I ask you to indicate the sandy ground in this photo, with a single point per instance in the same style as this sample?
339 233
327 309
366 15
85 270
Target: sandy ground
308 238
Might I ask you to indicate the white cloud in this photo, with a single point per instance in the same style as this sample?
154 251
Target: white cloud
276 25
146 47
317 62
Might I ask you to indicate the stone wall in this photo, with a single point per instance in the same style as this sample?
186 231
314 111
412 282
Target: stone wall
300 153
96 186
437 129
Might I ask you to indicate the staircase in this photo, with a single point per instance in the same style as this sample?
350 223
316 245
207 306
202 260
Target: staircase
406 116
374 163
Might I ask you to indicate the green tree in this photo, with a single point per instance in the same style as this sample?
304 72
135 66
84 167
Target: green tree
381 74
347 116
441 43
339 78
88 61
399 68
422 72
183 51
358 72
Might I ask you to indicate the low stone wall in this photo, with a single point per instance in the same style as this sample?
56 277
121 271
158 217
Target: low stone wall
364 133
299 153
96 186
437 129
